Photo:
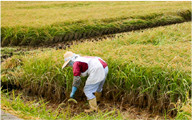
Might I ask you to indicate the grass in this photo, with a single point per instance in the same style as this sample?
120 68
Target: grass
149 68
15 104
7 52
23 25
184 111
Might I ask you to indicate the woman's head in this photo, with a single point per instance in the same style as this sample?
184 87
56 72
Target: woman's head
69 58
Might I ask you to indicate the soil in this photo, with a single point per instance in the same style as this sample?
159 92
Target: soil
126 110
21 50
67 44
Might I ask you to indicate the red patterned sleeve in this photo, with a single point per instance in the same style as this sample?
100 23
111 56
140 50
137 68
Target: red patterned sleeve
76 69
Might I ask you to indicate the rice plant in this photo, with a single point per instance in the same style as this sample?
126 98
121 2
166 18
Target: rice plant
74 24
38 13
147 68
16 104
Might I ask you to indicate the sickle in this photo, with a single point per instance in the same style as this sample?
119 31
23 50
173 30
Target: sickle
72 100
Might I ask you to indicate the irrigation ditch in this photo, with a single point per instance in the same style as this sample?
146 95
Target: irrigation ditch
66 40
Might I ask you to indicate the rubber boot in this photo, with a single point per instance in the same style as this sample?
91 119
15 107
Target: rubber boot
98 97
93 106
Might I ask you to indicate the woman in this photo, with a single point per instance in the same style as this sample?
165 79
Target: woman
95 68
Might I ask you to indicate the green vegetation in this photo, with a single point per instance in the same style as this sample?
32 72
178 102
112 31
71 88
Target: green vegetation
184 110
7 52
149 68
38 110
40 23
43 13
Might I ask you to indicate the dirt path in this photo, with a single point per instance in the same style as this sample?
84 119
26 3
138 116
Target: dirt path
8 116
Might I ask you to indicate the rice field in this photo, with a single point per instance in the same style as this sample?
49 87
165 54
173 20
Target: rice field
23 13
148 68
44 23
